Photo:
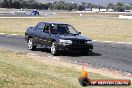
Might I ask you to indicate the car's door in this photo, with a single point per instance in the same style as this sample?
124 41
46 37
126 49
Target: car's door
35 34
39 29
46 36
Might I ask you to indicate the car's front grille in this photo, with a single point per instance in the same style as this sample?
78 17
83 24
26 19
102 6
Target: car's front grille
79 47
79 42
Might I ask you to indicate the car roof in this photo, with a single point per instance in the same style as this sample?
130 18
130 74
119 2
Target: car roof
52 22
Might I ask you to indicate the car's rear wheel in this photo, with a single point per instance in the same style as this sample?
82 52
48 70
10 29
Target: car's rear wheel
31 45
53 49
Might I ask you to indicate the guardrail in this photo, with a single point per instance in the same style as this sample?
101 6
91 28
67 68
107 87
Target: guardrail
125 17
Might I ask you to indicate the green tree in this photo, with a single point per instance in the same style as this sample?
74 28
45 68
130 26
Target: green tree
119 7
110 6
10 3
80 7
94 6
83 4
127 7
5 4
88 5
74 6
16 4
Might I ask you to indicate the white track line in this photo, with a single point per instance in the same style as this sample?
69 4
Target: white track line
2 33
14 34
128 43
20 17
9 34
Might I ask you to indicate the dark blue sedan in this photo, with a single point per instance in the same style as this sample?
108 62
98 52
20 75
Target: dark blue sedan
57 37
34 12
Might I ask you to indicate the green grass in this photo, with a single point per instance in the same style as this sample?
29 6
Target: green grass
19 71
97 29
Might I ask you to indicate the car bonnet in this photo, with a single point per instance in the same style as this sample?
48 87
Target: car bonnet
73 37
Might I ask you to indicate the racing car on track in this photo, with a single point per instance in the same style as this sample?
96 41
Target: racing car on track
34 12
57 37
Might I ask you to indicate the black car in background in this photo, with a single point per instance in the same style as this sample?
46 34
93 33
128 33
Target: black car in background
34 12
57 37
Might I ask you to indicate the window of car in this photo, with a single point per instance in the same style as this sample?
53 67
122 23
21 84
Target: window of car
40 25
71 29
46 28
62 28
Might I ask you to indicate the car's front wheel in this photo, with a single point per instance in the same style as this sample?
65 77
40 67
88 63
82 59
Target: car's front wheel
86 52
31 45
53 49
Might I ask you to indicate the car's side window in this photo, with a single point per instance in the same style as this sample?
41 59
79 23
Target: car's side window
71 29
53 28
37 25
46 28
40 26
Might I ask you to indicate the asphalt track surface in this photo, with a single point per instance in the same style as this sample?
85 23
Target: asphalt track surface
114 56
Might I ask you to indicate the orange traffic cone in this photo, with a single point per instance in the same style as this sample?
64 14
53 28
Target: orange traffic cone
84 80
84 73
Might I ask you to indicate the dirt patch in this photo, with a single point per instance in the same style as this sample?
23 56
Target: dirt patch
56 61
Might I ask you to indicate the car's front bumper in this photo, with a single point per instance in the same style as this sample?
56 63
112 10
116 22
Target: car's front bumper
77 47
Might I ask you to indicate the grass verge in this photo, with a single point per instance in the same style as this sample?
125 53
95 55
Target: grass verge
95 28
19 71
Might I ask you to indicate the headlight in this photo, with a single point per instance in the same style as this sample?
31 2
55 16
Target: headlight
65 41
89 42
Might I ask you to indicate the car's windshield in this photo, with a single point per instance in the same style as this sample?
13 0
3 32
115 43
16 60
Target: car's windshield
62 29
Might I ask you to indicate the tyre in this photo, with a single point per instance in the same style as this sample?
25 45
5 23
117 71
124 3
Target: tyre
86 52
53 49
31 45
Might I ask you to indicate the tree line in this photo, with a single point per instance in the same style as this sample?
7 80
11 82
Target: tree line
61 5
17 4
